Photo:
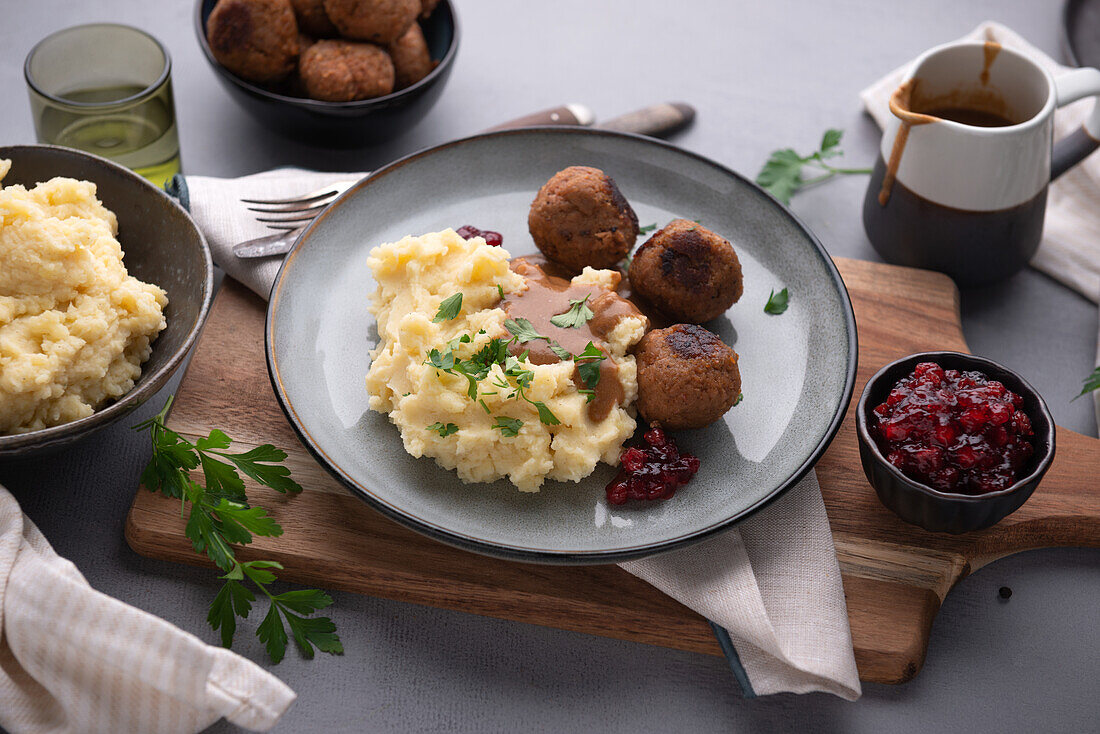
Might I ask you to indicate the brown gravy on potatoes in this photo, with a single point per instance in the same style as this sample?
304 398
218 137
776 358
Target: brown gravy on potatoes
549 295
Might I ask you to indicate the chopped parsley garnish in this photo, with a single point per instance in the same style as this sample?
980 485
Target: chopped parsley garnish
647 229
561 351
500 290
523 331
737 400
477 368
777 302
443 430
577 316
448 309
509 427
588 365
444 362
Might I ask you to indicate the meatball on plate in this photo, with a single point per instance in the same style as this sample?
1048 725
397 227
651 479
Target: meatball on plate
796 371
580 218
687 272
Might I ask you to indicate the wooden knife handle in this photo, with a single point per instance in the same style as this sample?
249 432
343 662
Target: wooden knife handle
657 121
570 114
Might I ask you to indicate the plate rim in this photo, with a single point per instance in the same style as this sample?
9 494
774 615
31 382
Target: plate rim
548 556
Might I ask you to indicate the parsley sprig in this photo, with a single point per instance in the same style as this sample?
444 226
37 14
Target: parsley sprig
782 173
221 517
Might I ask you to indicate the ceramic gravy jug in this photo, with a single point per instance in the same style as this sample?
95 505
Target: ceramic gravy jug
960 183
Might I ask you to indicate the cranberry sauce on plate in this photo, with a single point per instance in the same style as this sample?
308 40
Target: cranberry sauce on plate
955 431
653 471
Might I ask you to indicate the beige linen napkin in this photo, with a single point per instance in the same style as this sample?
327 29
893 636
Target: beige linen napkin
1070 250
75 661
773 582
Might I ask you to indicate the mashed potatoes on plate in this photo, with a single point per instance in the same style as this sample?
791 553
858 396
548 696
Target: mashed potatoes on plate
485 429
75 327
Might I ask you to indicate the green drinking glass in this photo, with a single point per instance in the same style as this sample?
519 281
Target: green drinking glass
106 89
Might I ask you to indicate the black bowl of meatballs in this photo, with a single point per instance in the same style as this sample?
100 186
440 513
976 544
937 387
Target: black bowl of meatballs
338 73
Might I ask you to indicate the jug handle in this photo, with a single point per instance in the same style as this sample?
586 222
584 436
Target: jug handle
1073 148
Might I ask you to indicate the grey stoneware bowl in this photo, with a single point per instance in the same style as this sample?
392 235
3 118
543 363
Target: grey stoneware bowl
342 124
162 245
950 512
798 369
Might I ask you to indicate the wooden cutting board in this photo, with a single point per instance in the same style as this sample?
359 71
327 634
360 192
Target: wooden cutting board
895 575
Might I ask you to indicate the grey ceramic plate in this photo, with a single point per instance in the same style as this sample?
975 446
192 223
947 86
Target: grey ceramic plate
797 369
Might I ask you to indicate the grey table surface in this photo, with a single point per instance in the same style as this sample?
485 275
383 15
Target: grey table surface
762 75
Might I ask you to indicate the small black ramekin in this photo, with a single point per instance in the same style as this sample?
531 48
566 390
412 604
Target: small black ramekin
930 508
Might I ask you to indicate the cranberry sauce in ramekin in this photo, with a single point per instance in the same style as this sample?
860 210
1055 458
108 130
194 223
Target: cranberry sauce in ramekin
954 430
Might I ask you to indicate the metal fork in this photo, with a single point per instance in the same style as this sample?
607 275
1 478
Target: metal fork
295 212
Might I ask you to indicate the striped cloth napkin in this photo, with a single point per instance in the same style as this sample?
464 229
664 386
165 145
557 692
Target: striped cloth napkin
771 586
1070 249
75 661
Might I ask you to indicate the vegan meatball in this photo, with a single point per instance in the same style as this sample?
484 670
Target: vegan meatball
687 377
377 21
411 60
255 39
341 71
688 272
312 18
580 217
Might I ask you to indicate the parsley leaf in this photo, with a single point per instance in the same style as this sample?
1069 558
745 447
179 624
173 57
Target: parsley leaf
509 427
781 174
272 633
233 600
588 365
545 414
777 302
448 309
739 398
830 140
561 351
220 517
445 362
1091 383
523 331
443 430
576 317
647 229
500 291
260 464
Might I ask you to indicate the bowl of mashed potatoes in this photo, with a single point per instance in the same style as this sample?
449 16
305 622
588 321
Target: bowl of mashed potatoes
104 284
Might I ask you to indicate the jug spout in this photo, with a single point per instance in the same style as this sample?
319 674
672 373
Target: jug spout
901 105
